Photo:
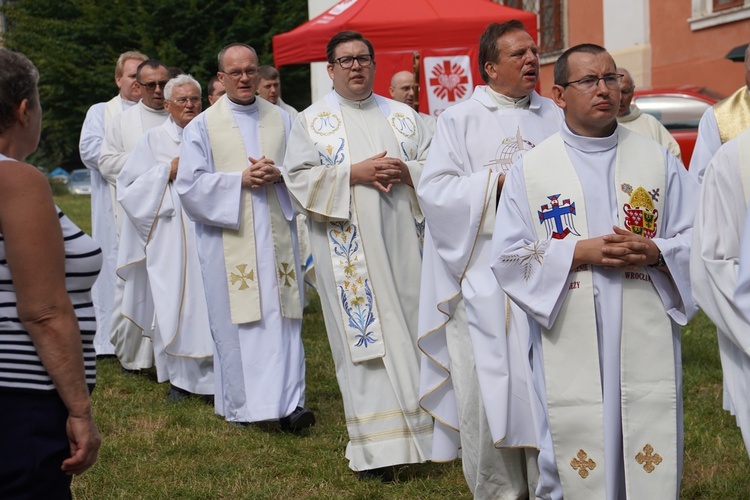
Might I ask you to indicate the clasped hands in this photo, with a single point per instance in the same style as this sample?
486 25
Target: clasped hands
380 171
260 172
620 250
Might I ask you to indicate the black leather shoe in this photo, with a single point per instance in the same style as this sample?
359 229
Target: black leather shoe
176 394
301 418
129 373
382 474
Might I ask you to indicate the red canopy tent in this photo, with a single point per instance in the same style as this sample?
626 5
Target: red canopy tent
399 28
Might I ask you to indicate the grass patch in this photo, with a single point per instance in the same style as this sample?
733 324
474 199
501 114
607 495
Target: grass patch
155 450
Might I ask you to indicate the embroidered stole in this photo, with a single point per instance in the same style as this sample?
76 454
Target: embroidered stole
358 307
570 347
228 150
733 114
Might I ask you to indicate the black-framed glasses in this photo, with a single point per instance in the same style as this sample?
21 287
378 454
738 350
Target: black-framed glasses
347 62
151 86
590 82
236 75
182 101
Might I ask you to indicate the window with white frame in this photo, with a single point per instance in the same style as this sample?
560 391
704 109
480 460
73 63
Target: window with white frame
708 13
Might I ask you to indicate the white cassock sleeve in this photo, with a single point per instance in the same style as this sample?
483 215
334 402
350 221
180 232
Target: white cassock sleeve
322 192
454 199
742 293
92 135
142 184
675 242
706 145
208 197
539 286
113 155
714 264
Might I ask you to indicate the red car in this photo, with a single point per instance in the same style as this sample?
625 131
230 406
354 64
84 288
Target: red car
679 108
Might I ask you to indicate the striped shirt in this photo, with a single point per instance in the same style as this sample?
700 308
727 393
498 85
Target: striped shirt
20 366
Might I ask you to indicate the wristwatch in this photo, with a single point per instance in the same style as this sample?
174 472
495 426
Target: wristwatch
660 262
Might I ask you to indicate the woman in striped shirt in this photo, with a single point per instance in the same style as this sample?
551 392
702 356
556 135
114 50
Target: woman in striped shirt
47 268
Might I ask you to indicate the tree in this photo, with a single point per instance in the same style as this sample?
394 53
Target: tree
75 43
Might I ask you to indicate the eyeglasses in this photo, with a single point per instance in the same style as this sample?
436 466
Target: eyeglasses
151 86
182 101
236 75
590 82
347 62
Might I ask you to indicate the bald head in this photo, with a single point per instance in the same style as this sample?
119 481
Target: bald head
402 87
626 92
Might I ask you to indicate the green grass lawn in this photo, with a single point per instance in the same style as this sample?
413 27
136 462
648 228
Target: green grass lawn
155 450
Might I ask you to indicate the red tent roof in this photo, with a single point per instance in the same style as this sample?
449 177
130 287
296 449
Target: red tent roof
396 25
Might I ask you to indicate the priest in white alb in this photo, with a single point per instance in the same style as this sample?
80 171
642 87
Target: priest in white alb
352 162
715 264
630 116
132 347
103 193
476 379
161 249
720 123
592 240
230 185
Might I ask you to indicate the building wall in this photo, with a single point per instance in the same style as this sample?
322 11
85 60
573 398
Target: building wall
585 25
658 41
681 55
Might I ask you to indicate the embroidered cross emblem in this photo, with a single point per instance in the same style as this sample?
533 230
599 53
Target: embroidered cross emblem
243 276
648 458
286 272
582 463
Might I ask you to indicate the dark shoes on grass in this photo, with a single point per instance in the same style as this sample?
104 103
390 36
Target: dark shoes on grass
300 418
382 474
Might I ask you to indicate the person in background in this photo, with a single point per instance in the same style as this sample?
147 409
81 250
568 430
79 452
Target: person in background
631 117
47 269
215 90
103 204
269 88
720 123
402 89
161 249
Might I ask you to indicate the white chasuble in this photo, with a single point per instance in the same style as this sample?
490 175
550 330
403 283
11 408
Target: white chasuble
573 379
476 141
228 151
716 269
358 304
385 424
164 250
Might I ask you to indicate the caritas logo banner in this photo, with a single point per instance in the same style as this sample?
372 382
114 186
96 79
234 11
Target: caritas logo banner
448 80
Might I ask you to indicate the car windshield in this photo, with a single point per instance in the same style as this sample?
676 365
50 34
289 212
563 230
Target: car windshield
80 176
677 111
674 112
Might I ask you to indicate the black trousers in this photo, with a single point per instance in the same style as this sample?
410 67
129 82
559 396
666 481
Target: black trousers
34 445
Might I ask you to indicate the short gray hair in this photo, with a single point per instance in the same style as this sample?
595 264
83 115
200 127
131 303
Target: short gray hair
179 81
18 81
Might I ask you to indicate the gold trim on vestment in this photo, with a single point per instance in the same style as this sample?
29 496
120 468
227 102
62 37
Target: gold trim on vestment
733 114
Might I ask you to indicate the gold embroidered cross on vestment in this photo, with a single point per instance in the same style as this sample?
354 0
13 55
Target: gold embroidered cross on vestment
243 276
582 463
648 458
